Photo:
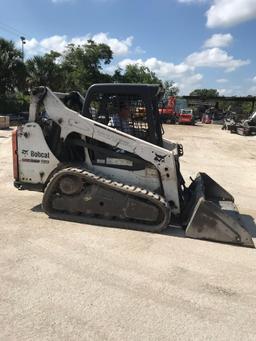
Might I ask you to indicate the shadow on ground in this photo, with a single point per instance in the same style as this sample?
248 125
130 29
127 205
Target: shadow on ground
37 208
247 221
7 129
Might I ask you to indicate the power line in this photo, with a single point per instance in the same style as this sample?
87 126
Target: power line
8 31
12 29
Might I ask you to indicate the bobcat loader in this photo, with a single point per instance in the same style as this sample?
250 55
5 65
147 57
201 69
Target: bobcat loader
93 173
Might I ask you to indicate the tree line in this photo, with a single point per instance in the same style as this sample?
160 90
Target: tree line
76 68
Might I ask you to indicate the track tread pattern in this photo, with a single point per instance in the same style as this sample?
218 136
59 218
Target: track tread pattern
154 198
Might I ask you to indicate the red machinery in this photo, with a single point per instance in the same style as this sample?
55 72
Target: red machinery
207 119
208 115
186 116
167 111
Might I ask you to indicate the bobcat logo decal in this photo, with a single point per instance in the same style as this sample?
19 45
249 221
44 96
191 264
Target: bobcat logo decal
24 152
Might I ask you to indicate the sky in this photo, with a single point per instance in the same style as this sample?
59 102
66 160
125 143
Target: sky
196 43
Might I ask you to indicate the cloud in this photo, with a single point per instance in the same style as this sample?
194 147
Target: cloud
237 91
219 40
234 91
31 44
252 90
164 70
119 47
225 92
215 57
183 75
254 79
139 50
225 13
36 47
188 83
222 80
58 43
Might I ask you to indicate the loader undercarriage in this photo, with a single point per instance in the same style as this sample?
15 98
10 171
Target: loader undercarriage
74 194
77 195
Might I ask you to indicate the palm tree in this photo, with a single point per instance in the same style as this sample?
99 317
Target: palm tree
44 70
12 68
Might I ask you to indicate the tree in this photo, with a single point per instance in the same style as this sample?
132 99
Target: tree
118 76
205 93
82 65
45 70
170 89
76 68
135 73
12 69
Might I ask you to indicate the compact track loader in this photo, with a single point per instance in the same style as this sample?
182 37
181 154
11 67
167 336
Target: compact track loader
93 172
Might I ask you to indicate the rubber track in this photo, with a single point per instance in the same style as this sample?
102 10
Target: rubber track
154 198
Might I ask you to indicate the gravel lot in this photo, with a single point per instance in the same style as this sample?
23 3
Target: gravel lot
68 281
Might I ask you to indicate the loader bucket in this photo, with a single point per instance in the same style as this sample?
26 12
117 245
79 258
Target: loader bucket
212 215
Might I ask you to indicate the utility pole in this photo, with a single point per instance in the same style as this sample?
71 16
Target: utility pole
23 42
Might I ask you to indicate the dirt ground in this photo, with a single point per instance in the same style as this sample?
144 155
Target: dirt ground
68 281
